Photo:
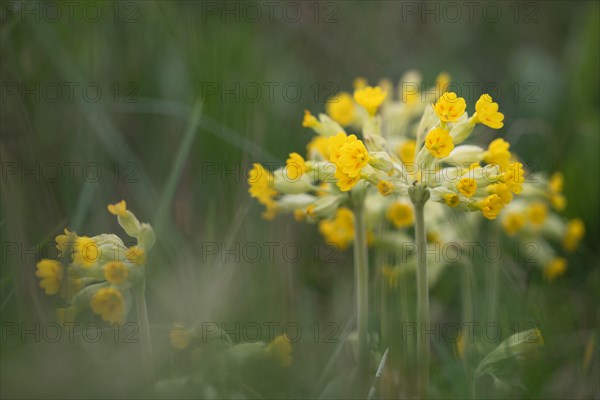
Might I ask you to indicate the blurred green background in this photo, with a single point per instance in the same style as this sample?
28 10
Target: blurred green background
178 122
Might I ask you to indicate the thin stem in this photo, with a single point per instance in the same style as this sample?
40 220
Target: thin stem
494 275
467 300
361 275
419 196
144 327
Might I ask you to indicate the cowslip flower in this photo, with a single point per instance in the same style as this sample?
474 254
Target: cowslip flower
339 231
574 232
51 274
296 166
341 108
370 98
491 206
261 187
439 143
100 271
109 303
400 214
450 107
555 186
280 350
537 213
513 222
498 153
352 156
309 120
487 112
467 187
407 151
555 268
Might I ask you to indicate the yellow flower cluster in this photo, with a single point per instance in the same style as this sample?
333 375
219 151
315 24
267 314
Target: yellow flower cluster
97 272
339 231
373 142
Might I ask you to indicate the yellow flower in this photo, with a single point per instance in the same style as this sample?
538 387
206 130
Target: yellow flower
467 187
340 230
410 95
352 156
574 233
261 185
370 98
555 268
87 252
63 241
537 213
439 143
498 153
115 272
406 151
502 190
300 215
179 337
280 350
514 176
487 112
400 214
109 304
295 166
451 199
442 82
385 188
433 237
512 223
270 210
345 182
341 108
558 201
556 182
50 273
491 206
119 209
319 144
309 120
360 83
135 255
450 107
334 144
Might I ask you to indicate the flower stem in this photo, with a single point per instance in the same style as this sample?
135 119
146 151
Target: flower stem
144 328
419 196
361 276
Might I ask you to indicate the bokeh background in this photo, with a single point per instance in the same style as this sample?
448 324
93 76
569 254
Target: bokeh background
173 101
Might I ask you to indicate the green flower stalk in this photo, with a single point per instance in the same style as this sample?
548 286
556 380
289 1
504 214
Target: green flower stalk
361 279
419 195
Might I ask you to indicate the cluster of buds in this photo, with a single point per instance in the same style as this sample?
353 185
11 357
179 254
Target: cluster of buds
98 272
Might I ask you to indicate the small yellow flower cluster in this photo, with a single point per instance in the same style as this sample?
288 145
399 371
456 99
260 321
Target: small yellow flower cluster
339 231
97 272
534 217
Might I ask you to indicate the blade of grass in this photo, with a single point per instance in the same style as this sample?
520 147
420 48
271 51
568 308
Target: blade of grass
182 156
